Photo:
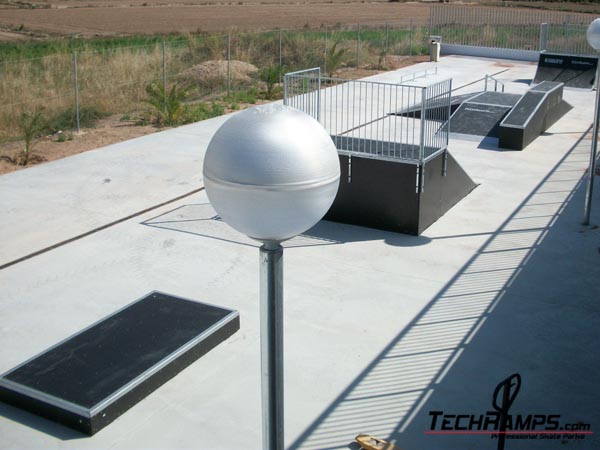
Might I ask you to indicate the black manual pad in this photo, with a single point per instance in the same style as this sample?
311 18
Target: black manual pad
91 378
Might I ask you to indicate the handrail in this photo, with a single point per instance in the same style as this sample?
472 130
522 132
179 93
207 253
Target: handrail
496 81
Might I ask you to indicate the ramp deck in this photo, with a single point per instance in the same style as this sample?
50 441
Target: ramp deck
481 114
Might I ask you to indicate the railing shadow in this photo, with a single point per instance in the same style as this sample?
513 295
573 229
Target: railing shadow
202 220
393 389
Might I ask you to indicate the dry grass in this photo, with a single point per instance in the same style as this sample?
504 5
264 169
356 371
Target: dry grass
111 82
114 82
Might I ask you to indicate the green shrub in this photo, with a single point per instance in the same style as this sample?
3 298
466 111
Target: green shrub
245 96
271 76
201 111
64 137
65 120
167 104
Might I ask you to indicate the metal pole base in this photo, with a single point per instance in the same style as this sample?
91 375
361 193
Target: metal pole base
593 154
271 342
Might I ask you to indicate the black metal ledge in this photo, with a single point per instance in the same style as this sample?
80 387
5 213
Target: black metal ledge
91 378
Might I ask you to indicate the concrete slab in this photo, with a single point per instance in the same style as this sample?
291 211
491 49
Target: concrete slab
380 328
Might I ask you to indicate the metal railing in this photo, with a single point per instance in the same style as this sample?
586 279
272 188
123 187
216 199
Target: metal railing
489 80
565 38
407 122
417 74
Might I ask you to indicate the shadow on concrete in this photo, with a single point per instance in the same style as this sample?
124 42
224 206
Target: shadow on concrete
526 302
39 424
526 81
202 220
490 143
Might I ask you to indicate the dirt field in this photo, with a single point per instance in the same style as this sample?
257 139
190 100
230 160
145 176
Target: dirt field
89 18
107 21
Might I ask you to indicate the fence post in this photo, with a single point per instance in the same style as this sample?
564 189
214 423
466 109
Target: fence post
422 125
164 67
357 45
411 38
319 96
325 54
567 35
228 64
543 37
387 37
76 89
280 47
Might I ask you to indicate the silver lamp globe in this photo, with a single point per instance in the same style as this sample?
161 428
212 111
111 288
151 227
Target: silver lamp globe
593 34
593 38
271 172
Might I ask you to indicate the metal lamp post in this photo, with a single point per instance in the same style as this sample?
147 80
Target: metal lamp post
271 172
593 37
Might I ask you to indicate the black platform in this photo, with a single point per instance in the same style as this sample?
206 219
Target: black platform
572 70
88 380
398 196
536 111
380 149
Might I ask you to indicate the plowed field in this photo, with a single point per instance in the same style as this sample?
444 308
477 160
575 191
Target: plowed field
107 19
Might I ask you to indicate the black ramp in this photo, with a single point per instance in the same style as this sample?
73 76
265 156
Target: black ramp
496 98
93 377
377 194
572 70
537 110
455 101
522 111
382 194
477 119
481 115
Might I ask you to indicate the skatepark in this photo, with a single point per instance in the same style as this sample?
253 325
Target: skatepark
381 328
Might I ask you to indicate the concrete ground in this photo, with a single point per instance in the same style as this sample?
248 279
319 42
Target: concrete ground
381 329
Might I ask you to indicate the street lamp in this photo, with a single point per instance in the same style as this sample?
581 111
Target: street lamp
271 172
593 38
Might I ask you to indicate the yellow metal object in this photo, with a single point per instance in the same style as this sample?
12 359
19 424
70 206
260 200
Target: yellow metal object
368 442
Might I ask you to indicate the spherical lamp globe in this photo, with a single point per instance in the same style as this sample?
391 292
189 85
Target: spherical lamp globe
271 172
593 34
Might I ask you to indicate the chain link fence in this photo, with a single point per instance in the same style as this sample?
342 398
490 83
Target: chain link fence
509 28
217 73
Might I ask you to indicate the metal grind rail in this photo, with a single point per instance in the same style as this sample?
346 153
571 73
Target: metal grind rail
376 119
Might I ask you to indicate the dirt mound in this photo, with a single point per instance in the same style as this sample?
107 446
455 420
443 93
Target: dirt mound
210 71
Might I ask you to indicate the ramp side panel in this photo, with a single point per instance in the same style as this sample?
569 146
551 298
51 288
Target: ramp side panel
441 192
533 115
377 194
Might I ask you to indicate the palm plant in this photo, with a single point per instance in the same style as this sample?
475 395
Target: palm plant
31 125
167 104
271 75
335 57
